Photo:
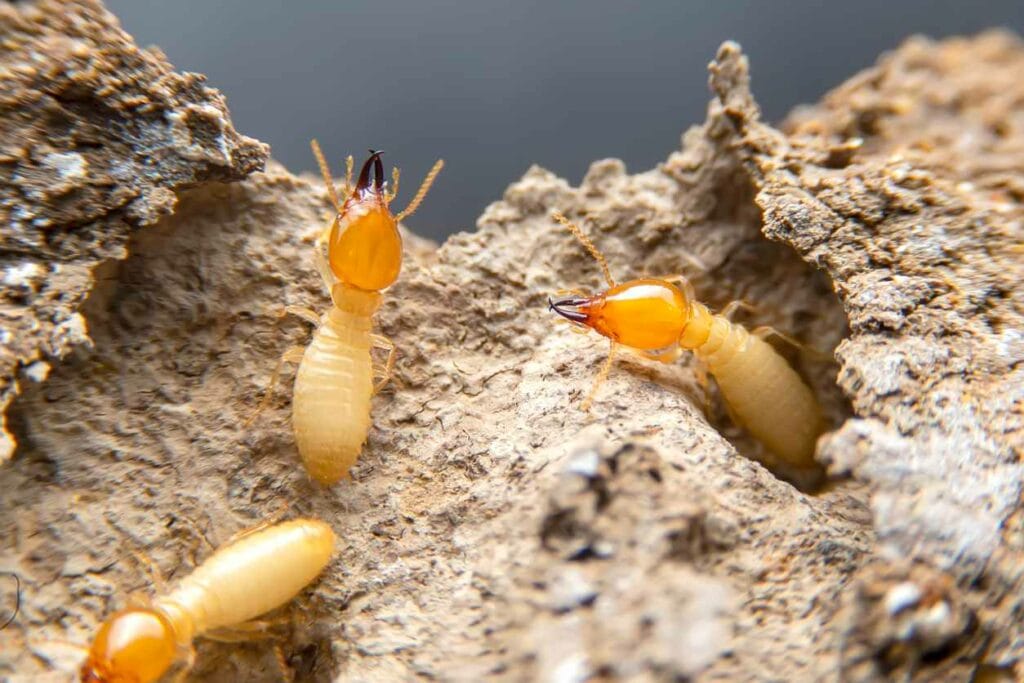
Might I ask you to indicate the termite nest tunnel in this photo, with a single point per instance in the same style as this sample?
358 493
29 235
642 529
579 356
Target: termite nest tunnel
712 236
789 295
137 379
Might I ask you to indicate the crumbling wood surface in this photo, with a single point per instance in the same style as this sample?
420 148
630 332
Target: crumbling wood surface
491 529
96 136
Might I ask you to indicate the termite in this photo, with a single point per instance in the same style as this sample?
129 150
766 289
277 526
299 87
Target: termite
660 318
358 255
261 571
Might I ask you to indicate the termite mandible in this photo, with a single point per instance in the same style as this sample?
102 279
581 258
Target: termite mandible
660 320
259 572
335 380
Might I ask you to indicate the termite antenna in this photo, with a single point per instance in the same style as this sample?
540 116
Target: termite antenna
325 171
395 173
422 192
349 164
17 599
606 370
587 244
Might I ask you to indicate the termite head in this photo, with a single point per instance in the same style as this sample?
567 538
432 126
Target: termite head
644 314
132 646
365 248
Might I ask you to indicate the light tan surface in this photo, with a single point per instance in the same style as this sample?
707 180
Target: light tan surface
97 136
491 529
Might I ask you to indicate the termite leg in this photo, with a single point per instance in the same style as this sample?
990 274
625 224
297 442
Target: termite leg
669 356
228 634
684 284
695 262
259 526
152 569
734 418
282 663
199 534
292 355
156 577
247 631
255 630
323 266
766 331
700 373
186 669
307 314
325 234
383 375
600 379
736 305
139 600
700 370
381 342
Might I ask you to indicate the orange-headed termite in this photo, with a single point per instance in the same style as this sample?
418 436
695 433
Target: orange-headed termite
241 581
335 380
661 319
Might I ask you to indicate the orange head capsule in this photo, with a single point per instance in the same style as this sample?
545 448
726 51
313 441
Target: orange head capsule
132 646
365 248
644 314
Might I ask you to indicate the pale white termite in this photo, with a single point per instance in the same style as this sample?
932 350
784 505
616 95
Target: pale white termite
335 380
661 320
241 581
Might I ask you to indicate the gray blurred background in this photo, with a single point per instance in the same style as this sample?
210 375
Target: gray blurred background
495 86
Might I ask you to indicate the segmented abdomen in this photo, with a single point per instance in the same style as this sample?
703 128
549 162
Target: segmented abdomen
764 393
331 402
254 575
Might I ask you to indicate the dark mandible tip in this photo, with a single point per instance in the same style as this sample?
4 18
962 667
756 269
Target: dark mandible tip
565 308
373 161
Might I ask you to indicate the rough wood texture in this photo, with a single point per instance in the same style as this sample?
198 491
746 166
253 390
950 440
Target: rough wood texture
491 528
906 186
96 136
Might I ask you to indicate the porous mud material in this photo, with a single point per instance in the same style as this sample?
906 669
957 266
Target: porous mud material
491 529
906 186
96 136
